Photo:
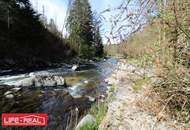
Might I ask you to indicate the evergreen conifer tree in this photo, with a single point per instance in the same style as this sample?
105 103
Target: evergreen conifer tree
98 43
80 27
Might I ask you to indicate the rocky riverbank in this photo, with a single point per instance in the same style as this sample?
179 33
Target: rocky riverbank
135 106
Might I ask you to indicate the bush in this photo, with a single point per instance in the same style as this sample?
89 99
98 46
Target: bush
174 88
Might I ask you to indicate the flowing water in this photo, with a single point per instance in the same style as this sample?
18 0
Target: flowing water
58 101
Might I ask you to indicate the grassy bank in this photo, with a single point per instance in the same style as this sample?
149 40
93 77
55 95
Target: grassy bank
98 110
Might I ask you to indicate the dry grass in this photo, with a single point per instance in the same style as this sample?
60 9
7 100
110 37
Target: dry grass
171 90
174 88
151 102
141 43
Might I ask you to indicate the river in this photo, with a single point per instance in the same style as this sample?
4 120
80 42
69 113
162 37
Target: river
64 105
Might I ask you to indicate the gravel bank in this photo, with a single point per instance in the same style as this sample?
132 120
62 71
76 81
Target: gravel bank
135 108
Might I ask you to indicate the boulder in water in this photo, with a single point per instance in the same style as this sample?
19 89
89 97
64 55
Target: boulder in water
60 80
31 74
91 61
42 81
75 67
87 120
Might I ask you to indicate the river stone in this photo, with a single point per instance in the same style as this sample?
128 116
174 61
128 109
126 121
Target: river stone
90 60
16 89
9 96
110 81
86 81
91 99
31 74
87 120
42 81
75 67
7 93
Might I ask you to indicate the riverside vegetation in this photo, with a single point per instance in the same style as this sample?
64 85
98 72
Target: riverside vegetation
164 44
158 42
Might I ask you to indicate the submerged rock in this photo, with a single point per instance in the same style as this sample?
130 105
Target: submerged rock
7 93
9 96
87 120
16 89
75 91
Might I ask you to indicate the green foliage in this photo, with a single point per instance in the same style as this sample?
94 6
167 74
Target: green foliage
98 44
24 39
89 127
99 111
84 34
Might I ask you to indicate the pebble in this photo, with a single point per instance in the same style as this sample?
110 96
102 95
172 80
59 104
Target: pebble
86 81
91 99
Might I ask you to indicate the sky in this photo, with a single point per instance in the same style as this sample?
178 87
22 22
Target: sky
57 9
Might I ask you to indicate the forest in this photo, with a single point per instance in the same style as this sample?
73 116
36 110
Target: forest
28 40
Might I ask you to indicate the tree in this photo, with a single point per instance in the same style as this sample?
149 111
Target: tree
23 37
52 27
80 28
98 44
